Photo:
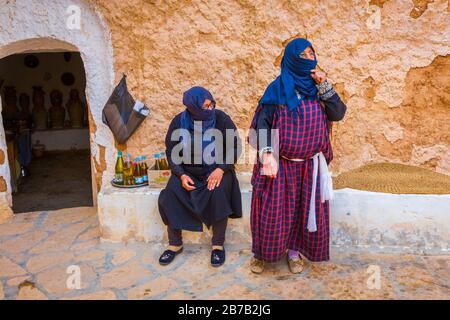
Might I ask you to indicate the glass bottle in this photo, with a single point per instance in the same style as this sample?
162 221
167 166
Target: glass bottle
128 171
118 179
144 169
137 172
157 162
163 159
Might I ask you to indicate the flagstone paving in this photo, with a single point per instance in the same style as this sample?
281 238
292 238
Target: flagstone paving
38 249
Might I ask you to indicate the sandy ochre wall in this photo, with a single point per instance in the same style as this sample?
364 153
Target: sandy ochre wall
388 59
394 75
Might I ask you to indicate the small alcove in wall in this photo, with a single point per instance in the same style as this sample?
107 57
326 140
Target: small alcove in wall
45 118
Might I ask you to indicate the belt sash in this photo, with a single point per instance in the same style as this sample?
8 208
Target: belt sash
326 186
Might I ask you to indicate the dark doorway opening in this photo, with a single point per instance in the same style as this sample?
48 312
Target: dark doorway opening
44 114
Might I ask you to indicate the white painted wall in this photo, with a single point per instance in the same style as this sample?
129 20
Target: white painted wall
418 222
64 139
358 219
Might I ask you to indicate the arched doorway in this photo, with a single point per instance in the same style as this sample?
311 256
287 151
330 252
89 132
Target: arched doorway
44 106
25 31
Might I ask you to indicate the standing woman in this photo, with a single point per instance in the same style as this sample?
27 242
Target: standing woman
198 191
291 183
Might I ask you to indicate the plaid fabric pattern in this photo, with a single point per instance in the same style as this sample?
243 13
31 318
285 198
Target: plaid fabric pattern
279 209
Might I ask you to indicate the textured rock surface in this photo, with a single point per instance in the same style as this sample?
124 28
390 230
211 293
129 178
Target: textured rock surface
393 72
395 79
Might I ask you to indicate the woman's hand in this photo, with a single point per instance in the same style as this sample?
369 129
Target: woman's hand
318 76
187 182
270 165
214 178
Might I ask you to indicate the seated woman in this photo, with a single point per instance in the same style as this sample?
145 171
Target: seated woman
200 190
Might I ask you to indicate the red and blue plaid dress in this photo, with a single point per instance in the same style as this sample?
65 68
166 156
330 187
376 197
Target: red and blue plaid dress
279 209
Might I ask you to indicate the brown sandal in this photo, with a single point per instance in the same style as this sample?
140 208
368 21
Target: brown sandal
257 266
297 265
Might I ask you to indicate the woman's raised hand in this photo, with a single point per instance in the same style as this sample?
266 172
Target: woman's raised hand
187 182
214 178
318 76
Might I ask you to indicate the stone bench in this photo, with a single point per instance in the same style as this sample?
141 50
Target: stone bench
361 219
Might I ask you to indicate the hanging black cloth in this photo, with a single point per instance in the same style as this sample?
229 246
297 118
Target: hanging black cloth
122 114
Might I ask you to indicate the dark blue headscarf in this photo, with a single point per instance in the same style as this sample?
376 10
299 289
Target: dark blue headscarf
193 99
295 75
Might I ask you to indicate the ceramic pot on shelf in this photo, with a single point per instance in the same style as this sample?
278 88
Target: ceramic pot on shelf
40 115
10 110
25 113
57 111
75 108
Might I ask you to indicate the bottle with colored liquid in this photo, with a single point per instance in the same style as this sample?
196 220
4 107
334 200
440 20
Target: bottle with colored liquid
128 171
137 172
157 162
163 159
118 178
144 169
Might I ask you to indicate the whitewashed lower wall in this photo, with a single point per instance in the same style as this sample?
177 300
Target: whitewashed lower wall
412 223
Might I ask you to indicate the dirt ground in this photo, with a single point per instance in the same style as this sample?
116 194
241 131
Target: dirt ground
61 180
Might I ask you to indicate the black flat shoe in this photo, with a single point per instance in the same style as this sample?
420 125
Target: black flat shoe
168 256
217 257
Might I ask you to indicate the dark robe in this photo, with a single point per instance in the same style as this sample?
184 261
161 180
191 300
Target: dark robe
189 210
280 205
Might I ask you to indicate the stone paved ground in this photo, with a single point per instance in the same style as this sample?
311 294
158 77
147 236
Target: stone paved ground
37 248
